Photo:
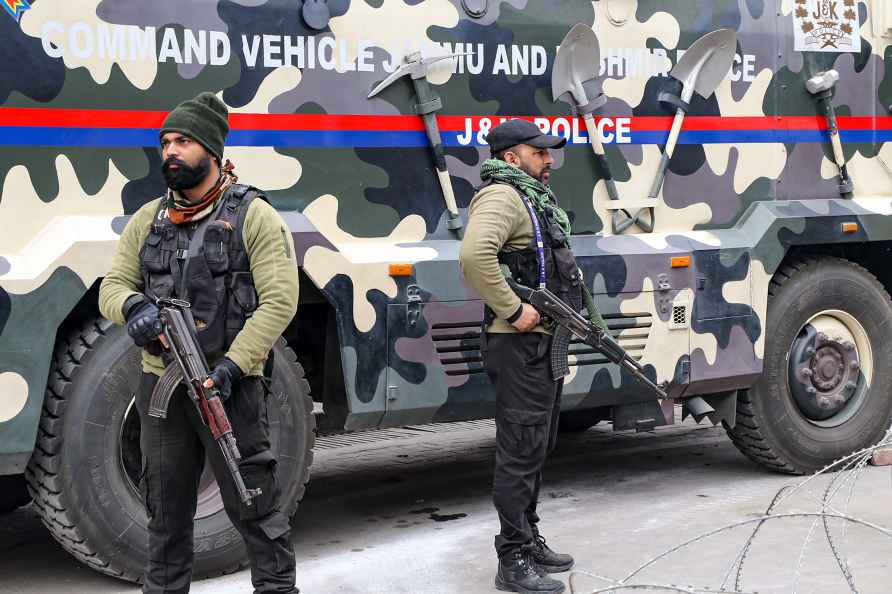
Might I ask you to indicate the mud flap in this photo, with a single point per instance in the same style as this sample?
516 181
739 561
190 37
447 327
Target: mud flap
640 416
723 405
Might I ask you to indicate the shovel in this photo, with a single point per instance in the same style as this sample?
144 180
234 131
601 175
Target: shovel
702 68
578 61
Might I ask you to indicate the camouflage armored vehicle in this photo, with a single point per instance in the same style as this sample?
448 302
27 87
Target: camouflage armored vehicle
759 293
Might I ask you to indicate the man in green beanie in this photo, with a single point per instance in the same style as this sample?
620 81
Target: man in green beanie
222 247
515 223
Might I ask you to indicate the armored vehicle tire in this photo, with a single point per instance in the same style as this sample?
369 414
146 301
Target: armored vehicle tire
577 421
824 392
87 463
13 493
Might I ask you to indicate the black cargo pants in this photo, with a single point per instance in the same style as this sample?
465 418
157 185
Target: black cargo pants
527 408
173 452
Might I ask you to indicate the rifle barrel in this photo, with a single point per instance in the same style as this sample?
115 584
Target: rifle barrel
550 305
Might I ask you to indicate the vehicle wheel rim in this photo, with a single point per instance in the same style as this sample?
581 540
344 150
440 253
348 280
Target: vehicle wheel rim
210 501
830 368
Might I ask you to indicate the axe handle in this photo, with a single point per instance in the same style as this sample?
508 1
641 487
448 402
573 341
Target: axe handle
846 185
448 193
600 155
838 153
833 130
427 105
433 135
667 155
593 137
675 132
619 224
658 179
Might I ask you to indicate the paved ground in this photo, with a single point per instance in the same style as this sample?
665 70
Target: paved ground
376 518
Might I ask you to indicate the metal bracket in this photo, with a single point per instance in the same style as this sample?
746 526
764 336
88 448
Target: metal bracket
674 100
434 105
664 286
592 106
413 303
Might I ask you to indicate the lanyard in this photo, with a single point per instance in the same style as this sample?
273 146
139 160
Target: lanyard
537 231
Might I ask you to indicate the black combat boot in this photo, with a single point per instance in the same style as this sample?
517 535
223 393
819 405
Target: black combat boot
546 559
517 573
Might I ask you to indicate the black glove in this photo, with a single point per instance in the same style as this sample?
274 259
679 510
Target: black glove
143 323
225 374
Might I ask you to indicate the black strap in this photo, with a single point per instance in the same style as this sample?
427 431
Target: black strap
196 243
269 365
673 100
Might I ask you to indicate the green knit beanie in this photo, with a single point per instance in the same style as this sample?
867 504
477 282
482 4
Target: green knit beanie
204 119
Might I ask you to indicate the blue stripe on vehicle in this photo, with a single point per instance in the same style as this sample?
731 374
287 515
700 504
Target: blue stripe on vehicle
145 137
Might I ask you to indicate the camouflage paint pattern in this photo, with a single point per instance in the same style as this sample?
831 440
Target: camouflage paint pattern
355 180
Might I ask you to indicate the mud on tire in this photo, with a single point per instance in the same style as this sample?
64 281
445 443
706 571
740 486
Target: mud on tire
773 428
81 478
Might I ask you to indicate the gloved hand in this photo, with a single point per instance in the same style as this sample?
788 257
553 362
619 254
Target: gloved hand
223 377
143 323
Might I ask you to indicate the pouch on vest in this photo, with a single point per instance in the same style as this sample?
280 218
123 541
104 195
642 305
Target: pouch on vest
216 247
154 259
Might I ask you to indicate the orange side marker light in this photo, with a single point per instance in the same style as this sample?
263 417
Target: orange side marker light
850 227
402 270
681 261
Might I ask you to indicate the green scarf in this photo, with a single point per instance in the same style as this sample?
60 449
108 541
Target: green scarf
539 194
543 200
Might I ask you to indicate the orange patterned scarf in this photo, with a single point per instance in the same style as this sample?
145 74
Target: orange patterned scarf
186 214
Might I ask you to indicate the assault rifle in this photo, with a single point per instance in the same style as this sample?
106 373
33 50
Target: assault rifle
191 366
550 306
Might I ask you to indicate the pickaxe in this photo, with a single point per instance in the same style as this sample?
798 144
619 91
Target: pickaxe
428 104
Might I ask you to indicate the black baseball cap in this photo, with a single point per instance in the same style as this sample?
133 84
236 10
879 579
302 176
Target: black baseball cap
514 132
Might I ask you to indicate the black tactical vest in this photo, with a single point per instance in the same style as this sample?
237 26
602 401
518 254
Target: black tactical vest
561 271
562 277
205 263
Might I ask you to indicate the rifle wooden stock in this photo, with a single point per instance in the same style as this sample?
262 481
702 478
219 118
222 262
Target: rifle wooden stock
550 306
190 366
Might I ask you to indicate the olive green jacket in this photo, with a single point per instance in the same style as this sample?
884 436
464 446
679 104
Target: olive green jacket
497 221
274 269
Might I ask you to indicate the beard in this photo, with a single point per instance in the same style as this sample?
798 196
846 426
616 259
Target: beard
185 177
542 175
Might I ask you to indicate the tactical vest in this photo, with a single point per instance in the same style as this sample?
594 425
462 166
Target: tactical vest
206 264
562 276
561 271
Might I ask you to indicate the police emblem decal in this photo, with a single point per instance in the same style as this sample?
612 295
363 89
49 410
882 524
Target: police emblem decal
826 25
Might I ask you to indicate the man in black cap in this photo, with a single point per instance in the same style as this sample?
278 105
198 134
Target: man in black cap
212 242
515 226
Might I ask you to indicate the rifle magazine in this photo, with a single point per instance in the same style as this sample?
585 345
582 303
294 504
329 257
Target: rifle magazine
164 390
